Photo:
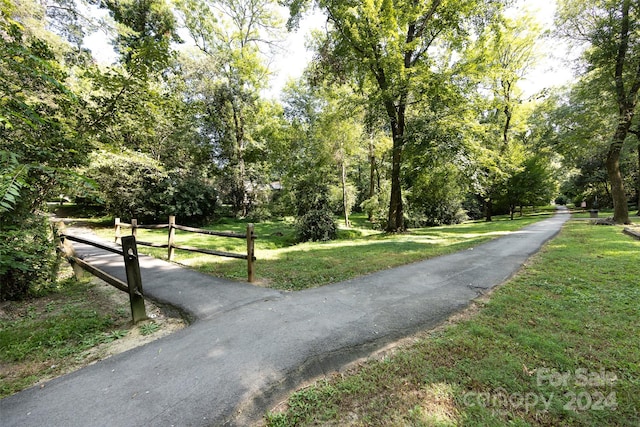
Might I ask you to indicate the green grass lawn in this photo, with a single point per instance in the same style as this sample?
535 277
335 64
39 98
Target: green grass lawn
556 345
359 250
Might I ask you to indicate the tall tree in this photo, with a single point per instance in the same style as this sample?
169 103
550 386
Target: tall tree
339 128
38 113
38 143
146 30
394 45
611 30
123 100
230 35
499 60
573 123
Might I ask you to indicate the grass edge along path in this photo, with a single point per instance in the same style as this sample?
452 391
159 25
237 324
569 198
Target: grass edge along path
358 250
70 326
555 345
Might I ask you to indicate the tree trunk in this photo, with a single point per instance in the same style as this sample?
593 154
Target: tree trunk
372 175
344 195
396 215
238 122
372 170
488 210
396 115
626 109
620 208
638 177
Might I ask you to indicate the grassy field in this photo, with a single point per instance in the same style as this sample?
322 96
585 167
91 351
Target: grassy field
556 345
360 250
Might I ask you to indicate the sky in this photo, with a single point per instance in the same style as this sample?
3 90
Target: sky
555 66
553 69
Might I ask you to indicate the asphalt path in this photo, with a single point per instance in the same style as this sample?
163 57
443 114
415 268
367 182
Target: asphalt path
248 346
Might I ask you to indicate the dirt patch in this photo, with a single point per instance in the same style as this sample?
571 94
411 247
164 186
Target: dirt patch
161 323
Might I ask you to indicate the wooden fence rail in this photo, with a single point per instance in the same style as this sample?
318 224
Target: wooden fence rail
129 252
172 246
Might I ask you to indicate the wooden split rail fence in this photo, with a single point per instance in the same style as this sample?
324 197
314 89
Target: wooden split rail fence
172 246
129 252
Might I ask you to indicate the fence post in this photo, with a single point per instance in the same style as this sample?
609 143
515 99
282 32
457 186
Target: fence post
134 227
250 253
172 235
118 230
134 279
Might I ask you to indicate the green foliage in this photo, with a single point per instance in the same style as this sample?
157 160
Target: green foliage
27 257
130 184
11 180
436 196
316 225
38 116
146 31
112 336
149 328
226 77
387 47
134 186
377 205
610 32
191 198
336 202
533 185
39 142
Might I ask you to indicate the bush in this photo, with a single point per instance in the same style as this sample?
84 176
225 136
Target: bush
436 198
129 183
316 225
440 213
27 257
135 186
473 207
259 213
562 200
189 198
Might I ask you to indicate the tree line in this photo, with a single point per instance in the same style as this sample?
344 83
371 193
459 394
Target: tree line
412 112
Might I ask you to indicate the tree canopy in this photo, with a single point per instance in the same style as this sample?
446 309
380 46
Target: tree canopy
413 112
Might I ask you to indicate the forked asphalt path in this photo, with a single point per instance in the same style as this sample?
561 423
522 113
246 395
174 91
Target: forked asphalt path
248 346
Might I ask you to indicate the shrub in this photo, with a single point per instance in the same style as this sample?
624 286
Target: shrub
129 183
27 257
442 213
473 207
259 213
189 198
316 225
135 186
436 197
561 200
